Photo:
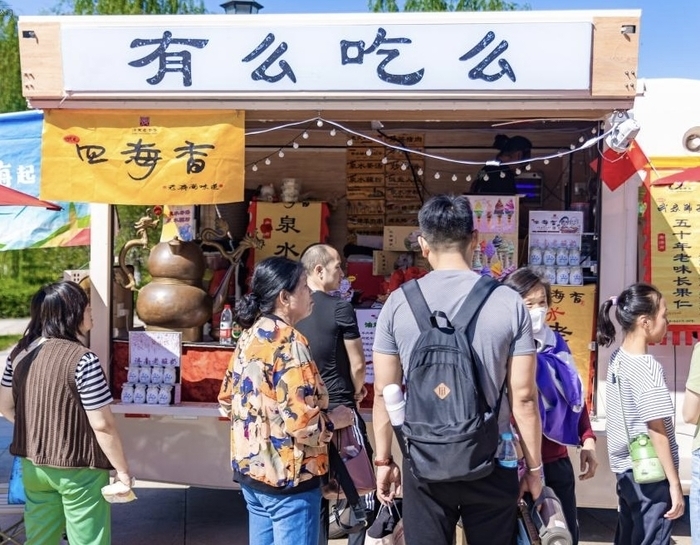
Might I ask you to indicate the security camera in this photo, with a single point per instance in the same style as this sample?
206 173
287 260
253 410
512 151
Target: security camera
623 132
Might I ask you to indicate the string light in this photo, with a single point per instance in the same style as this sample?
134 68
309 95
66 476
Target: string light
320 122
486 177
518 172
469 177
454 177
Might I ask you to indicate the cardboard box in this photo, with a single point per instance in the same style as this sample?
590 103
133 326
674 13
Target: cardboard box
401 238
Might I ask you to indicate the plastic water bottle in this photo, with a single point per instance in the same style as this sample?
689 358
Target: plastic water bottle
507 455
226 326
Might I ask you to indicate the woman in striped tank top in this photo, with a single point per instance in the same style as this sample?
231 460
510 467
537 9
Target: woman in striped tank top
638 402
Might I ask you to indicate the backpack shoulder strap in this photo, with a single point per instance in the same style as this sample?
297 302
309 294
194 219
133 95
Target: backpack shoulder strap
474 301
419 308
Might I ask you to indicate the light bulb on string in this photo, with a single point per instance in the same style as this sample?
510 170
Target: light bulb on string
349 141
254 168
419 171
404 166
528 167
267 161
281 154
437 175
581 139
384 160
295 145
546 161
368 152
454 177
572 147
486 177
333 131
503 174
305 135
594 130
319 123
518 172
469 177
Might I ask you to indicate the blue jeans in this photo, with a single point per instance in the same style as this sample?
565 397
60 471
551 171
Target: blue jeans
282 519
695 498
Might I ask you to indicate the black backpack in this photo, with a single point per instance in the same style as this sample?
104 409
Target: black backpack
450 431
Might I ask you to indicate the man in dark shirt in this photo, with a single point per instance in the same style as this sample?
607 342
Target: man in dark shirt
336 346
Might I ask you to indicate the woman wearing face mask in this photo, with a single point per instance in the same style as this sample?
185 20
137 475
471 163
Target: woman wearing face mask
565 419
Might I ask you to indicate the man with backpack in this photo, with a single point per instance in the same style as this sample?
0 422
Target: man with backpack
466 351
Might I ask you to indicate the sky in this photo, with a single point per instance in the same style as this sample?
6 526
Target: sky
669 28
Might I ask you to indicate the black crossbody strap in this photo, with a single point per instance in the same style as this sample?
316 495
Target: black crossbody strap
419 308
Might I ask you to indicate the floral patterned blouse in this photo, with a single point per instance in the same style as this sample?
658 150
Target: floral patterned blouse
275 397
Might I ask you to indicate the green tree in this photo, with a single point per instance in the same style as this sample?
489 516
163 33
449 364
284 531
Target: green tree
11 99
129 7
445 5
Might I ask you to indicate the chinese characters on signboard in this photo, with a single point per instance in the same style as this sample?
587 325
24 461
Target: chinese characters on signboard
367 323
129 157
314 57
287 229
572 314
675 249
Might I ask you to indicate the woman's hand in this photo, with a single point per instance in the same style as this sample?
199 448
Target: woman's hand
588 459
677 503
124 478
342 417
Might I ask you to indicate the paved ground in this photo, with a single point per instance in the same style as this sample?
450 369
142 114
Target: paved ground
176 515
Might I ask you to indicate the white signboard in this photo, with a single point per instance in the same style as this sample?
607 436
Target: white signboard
155 347
258 57
367 322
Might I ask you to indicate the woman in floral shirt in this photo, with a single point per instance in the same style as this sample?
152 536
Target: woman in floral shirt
274 395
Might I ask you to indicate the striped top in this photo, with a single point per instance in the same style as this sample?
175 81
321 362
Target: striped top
89 379
645 397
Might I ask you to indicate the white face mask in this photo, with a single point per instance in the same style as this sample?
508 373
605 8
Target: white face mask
537 315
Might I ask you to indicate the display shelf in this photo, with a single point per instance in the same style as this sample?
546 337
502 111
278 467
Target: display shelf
182 410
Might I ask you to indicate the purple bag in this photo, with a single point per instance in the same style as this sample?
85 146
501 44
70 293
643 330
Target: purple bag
561 394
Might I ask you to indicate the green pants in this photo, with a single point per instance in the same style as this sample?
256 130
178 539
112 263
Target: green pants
69 499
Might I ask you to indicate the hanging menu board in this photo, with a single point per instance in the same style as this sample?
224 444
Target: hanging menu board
496 219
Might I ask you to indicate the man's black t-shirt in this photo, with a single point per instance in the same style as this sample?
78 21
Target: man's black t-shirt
332 320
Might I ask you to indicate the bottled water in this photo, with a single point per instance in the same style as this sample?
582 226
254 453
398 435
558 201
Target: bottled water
226 326
507 455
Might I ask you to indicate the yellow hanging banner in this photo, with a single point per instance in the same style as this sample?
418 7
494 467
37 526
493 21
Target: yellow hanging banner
143 157
572 314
